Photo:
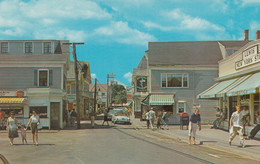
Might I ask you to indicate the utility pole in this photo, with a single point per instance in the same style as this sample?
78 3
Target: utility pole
76 80
108 95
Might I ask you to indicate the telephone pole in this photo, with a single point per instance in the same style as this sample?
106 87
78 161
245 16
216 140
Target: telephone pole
76 80
108 95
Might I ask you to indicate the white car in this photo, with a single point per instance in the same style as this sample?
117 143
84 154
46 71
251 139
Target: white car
120 118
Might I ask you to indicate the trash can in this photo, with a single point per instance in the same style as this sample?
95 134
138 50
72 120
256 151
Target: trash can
184 120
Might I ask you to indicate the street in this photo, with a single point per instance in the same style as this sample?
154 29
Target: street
114 144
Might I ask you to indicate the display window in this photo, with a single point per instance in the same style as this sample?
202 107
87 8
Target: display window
40 110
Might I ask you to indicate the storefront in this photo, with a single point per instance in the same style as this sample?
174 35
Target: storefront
238 83
47 105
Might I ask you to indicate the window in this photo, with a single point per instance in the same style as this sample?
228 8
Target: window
73 89
28 47
47 47
103 94
43 78
174 80
181 107
4 47
40 110
68 89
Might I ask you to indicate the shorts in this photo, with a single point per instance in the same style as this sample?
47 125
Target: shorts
34 128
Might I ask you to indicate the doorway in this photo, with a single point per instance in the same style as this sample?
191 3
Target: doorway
55 115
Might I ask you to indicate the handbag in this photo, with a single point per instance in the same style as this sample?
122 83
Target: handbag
39 126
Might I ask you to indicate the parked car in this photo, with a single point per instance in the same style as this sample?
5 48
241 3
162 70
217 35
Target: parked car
120 117
112 112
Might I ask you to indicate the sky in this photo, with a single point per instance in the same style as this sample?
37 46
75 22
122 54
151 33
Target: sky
116 32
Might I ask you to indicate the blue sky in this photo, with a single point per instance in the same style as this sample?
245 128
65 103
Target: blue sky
116 32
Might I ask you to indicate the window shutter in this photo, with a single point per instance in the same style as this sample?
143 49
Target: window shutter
50 77
35 77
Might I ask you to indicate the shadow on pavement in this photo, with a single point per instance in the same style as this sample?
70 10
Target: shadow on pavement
88 126
33 145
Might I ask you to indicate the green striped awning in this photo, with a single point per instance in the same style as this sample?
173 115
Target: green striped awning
156 99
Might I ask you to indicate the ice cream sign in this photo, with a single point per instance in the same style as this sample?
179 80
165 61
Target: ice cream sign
249 57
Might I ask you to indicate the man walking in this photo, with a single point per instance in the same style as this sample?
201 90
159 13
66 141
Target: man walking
236 126
194 121
165 119
151 117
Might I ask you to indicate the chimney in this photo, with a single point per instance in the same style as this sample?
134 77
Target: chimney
246 34
257 34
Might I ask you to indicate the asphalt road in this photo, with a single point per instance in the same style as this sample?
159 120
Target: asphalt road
113 145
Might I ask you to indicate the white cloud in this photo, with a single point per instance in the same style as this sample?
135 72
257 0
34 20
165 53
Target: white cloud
120 32
149 24
81 9
61 34
93 76
128 76
188 22
245 2
254 25
10 32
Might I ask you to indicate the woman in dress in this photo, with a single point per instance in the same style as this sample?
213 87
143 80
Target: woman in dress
11 126
34 120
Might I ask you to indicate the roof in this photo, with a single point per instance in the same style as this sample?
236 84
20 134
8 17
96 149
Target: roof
100 87
71 71
188 53
143 63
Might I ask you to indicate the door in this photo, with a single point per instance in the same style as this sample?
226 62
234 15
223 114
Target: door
55 115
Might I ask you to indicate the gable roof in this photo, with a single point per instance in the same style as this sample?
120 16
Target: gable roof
188 53
100 87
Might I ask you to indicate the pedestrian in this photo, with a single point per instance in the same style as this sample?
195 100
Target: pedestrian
105 117
34 121
69 118
236 126
73 117
256 129
165 119
245 118
23 133
194 122
151 117
11 126
159 117
147 119
216 122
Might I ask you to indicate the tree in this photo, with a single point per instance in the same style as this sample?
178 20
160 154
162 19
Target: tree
118 94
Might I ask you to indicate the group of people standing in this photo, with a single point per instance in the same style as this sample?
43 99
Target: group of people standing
162 119
12 128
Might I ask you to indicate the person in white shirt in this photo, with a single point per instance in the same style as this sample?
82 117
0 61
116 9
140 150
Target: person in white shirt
147 119
151 117
236 126
35 121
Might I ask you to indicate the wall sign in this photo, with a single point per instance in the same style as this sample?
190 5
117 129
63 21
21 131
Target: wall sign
141 84
249 57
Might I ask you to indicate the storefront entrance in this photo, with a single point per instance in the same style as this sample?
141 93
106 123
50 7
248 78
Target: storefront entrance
55 115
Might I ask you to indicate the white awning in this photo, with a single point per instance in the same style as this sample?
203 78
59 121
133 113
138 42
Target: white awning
249 86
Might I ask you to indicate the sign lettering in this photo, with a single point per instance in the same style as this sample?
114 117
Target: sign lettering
249 56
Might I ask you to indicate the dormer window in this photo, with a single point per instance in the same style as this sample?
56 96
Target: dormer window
4 47
47 47
28 47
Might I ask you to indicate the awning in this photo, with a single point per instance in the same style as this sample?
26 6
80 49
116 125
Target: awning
159 99
250 85
11 100
217 87
225 87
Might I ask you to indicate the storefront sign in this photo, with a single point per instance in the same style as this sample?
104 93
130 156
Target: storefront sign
249 57
19 93
7 93
141 84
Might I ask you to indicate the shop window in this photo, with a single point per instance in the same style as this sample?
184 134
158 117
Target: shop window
174 80
28 47
17 110
4 47
47 47
40 110
232 105
256 105
181 107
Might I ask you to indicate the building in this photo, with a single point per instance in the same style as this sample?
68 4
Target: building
238 82
33 77
176 73
84 82
101 95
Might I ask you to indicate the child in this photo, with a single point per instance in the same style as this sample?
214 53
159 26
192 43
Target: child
23 133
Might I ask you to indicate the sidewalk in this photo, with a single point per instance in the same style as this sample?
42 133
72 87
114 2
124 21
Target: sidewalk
214 138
